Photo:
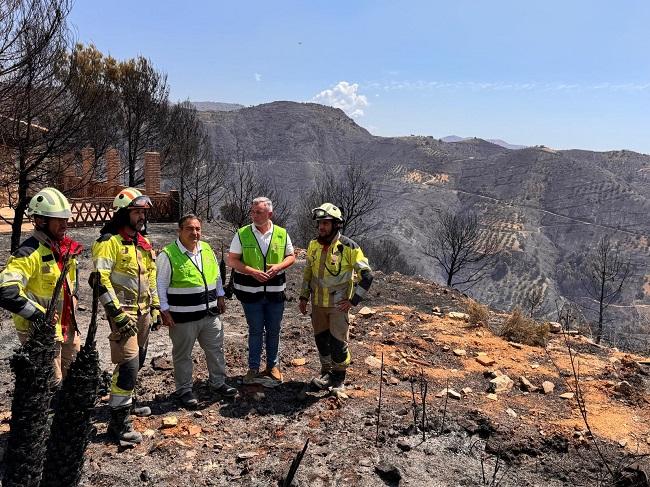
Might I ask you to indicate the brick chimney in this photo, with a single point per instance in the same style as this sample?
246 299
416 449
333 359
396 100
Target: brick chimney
152 173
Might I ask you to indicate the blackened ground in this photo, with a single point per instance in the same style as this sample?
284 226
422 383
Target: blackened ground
252 440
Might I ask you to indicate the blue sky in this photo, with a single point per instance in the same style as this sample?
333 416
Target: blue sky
571 74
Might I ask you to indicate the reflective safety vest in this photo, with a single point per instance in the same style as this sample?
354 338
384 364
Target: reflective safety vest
332 272
192 293
127 274
247 288
27 283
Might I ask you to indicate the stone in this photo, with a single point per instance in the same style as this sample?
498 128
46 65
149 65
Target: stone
526 385
148 433
393 381
169 421
446 348
548 387
622 443
534 365
510 412
81 307
516 345
567 395
299 362
492 374
373 361
456 315
502 383
198 414
366 312
554 327
388 472
624 388
485 360
466 390
450 393
161 363
492 396
436 309
460 352
404 445
246 455
194 430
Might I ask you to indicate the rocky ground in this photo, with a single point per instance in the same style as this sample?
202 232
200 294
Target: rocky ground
517 436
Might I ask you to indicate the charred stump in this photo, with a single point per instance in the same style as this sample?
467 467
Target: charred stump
33 366
72 427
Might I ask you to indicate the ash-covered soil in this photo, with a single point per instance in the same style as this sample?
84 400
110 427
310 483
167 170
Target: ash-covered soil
517 438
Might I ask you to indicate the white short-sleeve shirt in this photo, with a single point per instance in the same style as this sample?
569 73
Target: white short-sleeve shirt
263 239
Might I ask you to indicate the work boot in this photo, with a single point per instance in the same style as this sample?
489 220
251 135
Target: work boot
273 373
120 428
333 379
251 376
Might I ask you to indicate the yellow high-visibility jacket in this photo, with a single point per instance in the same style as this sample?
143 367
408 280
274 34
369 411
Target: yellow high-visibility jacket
27 282
335 272
127 274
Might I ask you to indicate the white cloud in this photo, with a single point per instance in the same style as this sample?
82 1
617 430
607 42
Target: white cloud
344 96
258 77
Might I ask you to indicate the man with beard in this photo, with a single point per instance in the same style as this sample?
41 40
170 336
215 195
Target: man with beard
28 281
125 271
334 265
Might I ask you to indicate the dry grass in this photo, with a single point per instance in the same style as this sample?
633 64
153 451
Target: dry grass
478 313
522 329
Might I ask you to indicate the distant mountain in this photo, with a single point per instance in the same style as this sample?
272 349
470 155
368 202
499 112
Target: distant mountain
502 143
215 106
545 207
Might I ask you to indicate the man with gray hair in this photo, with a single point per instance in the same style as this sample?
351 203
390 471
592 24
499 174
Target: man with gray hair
259 254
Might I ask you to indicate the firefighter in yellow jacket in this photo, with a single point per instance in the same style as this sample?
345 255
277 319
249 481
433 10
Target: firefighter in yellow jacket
336 277
27 282
124 261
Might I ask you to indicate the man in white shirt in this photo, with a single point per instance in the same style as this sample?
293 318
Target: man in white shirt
191 299
259 254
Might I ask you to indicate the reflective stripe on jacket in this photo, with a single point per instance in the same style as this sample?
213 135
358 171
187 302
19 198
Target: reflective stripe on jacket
247 288
332 270
192 293
127 274
27 283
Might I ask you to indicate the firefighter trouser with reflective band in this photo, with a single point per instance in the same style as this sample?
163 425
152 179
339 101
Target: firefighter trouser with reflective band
65 353
331 331
128 354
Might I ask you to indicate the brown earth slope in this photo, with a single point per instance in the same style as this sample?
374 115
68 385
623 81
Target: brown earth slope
529 438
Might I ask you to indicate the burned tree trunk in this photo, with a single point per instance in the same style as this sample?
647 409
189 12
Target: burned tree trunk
33 366
72 427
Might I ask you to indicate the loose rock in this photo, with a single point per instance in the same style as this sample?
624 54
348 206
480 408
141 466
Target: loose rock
169 421
485 360
366 312
502 383
456 315
373 361
548 387
388 472
526 385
